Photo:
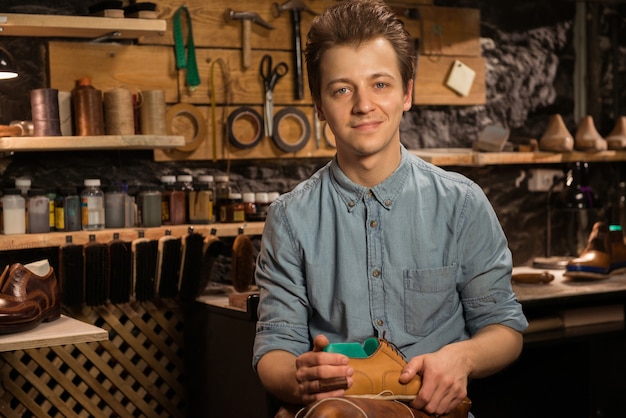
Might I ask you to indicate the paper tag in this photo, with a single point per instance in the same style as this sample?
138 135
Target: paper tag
461 78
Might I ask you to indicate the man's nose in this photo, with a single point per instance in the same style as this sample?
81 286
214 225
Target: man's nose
362 101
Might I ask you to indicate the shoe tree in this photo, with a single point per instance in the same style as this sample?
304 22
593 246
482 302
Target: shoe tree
556 137
587 137
617 138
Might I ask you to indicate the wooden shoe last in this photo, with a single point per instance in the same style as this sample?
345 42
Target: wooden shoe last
616 139
587 137
556 137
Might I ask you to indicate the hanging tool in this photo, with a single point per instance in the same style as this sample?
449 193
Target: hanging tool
246 24
188 62
296 7
270 75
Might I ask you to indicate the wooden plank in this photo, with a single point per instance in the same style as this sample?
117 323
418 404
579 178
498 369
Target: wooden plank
235 86
266 148
77 26
113 65
432 72
104 142
64 330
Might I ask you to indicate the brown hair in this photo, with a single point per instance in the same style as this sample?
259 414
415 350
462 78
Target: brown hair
354 22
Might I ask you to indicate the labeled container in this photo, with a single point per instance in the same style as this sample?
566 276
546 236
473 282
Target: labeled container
232 210
222 192
67 210
115 207
201 201
167 186
92 206
51 194
38 211
262 201
13 212
249 206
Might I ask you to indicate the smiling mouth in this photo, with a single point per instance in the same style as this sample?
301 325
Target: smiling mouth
366 124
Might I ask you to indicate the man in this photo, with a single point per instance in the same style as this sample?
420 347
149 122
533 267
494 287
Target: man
378 241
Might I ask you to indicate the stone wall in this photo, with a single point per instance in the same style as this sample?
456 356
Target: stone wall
530 62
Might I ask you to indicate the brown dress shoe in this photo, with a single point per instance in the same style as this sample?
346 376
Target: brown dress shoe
556 137
616 139
369 408
27 299
587 137
595 260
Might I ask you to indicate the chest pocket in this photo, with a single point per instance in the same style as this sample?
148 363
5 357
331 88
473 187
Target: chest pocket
429 298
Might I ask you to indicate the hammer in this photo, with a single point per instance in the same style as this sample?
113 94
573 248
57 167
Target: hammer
296 7
246 23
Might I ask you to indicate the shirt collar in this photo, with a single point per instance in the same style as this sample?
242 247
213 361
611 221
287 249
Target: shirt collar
386 192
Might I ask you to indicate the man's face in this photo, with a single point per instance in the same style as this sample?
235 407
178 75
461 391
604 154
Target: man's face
362 97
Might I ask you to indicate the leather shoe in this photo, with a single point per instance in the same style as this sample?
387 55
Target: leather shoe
595 260
363 408
587 137
617 249
377 370
556 137
616 139
28 298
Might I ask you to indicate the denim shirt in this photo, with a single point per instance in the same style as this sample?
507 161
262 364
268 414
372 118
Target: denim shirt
420 258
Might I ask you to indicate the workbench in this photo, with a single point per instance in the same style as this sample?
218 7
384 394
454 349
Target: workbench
572 364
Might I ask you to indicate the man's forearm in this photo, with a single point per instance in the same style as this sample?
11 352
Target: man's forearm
492 349
277 371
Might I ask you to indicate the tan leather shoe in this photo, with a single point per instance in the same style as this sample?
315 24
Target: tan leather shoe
595 260
616 139
587 137
376 375
27 298
556 137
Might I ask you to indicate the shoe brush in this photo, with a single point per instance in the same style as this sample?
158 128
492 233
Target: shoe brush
71 273
213 248
191 265
168 265
144 254
120 270
96 272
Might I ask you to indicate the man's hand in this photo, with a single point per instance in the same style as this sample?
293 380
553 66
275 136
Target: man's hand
322 375
444 380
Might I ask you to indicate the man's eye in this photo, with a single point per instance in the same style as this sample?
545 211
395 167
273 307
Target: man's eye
342 90
380 85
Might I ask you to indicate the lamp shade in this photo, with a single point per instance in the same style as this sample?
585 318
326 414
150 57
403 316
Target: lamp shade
7 65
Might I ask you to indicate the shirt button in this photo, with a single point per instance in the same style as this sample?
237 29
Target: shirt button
379 322
351 204
388 202
376 273
374 224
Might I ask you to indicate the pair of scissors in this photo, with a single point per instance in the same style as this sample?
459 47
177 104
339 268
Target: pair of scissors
270 76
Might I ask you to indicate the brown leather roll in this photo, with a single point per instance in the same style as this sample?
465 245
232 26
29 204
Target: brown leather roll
242 273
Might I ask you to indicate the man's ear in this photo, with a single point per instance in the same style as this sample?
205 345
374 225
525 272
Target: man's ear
408 97
320 113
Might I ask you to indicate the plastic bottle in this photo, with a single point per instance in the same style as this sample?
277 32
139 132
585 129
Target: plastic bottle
262 201
185 182
114 207
222 192
167 186
92 205
13 212
249 206
51 194
38 211
23 184
150 206
233 209
67 212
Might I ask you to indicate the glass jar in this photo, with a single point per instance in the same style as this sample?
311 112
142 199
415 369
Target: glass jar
201 201
167 185
233 209
13 212
249 206
67 211
222 192
114 207
92 205
38 211
178 205
149 206
51 194
262 205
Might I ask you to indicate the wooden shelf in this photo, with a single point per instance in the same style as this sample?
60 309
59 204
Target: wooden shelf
75 143
468 157
88 27
62 331
55 239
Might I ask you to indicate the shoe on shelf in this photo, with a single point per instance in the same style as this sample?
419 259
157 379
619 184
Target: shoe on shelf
595 260
29 294
587 137
377 366
556 137
616 139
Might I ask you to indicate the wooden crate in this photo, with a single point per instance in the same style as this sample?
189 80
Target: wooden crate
138 372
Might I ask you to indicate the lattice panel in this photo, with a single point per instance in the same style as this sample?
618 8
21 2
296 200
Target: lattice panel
137 373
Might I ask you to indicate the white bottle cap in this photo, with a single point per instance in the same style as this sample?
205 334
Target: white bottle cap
248 197
205 178
168 179
22 182
92 182
235 196
185 178
261 197
272 196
